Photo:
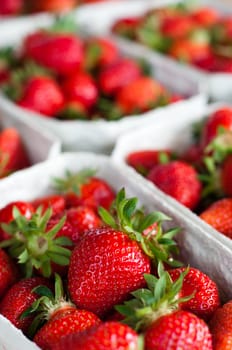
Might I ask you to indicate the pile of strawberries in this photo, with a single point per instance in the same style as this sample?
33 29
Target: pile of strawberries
118 267
60 75
200 37
13 155
200 177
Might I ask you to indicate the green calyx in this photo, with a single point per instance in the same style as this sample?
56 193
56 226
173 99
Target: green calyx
108 109
160 298
47 304
145 229
34 246
221 146
64 24
72 182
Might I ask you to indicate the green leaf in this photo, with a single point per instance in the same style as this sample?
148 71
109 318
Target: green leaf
43 291
59 259
63 241
107 217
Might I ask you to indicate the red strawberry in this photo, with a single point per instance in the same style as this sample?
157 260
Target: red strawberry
205 16
222 118
139 95
74 110
144 161
8 272
218 215
226 176
179 180
42 94
60 52
6 215
126 26
56 202
81 88
18 298
52 5
10 7
82 219
221 329
177 26
106 336
117 75
100 52
193 155
180 328
222 64
187 50
205 300
13 155
84 189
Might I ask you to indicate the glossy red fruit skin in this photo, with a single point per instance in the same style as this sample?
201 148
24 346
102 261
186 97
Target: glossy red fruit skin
18 299
117 75
82 219
218 215
55 202
6 215
179 330
189 51
105 266
43 95
205 16
62 322
8 272
177 26
63 53
179 180
221 327
81 88
108 52
93 194
221 118
10 7
145 159
222 64
106 336
226 176
205 300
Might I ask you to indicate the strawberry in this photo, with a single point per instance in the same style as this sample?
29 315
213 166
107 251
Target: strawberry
144 161
10 7
205 16
179 180
155 312
73 110
218 215
226 175
83 188
54 201
222 118
205 300
193 155
126 27
13 155
7 215
222 64
109 262
139 96
18 298
221 329
117 75
62 317
81 88
35 244
52 5
186 50
100 52
61 52
177 26
106 336
82 218
8 272
42 94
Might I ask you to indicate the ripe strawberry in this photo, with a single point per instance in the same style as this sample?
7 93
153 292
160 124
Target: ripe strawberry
140 95
82 218
144 161
218 215
84 189
60 52
108 263
179 180
222 118
186 50
7 216
193 155
51 5
13 155
100 53
126 27
222 64
205 300
117 75
205 16
10 7
226 175
42 94
221 329
54 201
177 26
8 272
73 110
106 336
180 328
81 88
18 298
